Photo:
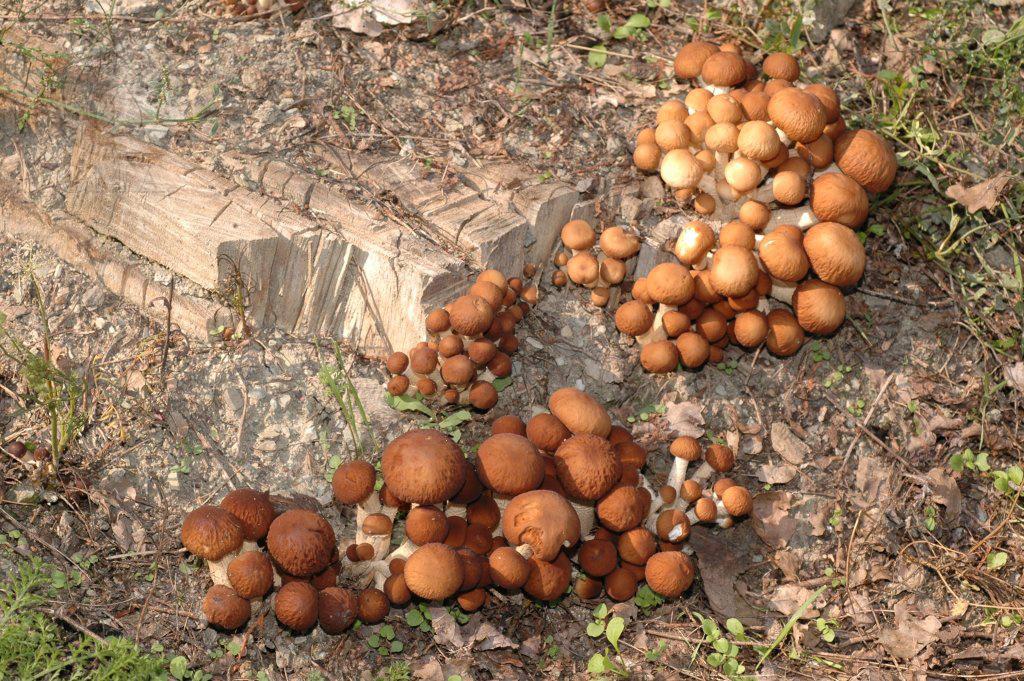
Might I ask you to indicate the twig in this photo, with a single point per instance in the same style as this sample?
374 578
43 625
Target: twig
167 336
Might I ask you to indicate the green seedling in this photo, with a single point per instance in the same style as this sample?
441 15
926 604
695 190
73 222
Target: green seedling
396 671
728 367
383 642
646 599
419 618
969 460
930 518
724 652
647 413
826 629
601 663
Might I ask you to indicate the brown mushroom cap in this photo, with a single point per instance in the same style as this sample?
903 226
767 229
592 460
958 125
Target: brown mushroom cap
755 214
680 169
546 432
621 509
836 197
724 69
670 283
423 466
353 482
819 307
798 114
671 109
437 322
866 157
434 572
720 457
785 335
398 385
548 581
723 109
542 519
482 351
301 542
620 584
493 276
337 609
675 322
733 271
737 501
296 606
659 357
510 423
828 98
211 532
737 233
633 318
423 360
580 412
669 573
646 157
637 545
781 65
583 268
783 256
597 557
483 395
225 609
695 240
470 315
251 574
693 349
691 57
721 485
509 464
711 324
750 328
509 570
458 370
489 292
835 253
817 153
587 466
672 134
686 448
668 520
587 588
789 188
501 365
397 362
253 509
471 488
758 140
619 244
373 606
578 235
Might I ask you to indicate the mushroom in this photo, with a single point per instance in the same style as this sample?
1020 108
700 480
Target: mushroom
254 510
722 71
301 542
337 609
867 158
835 253
597 557
546 432
691 57
216 536
750 328
423 525
820 308
251 574
423 466
733 271
634 318
619 244
785 335
781 65
509 570
540 523
836 197
509 423
659 357
548 581
622 509
373 606
797 114
636 545
620 585
434 572
579 412
578 236
225 609
470 316
679 169
587 588
587 468
509 464
695 241
684 450
669 573
693 349
296 606
783 257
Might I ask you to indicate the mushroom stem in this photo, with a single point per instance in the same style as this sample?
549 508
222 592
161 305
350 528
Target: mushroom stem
803 217
657 331
782 290
676 532
585 511
703 473
219 568
677 474
525 550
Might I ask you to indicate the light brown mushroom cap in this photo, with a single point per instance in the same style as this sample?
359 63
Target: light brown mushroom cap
817 153
737 501
720 457
619 244
695 240
578 235
437 321
587 467
639 290
785 335
755 105
737 233
225 609
733 271
211 532
722 137
423 466
253 509
686 448
509 464
546 432
867 157
708 162
836 197
633 318
509 570
647 157
789 188
690 490
742 174
680 169
798 114
580 412
781 65
755 214
669 573
296 606
434 572
470 315
783 257
797 165
548 581
819 307
659 357
669 283
693 349
672 134
835 253
724 109
583 268
675 322
672 109
705 510
636 545
697 99
711 324
750 328
704 204
543 520
426 525
691 57
758 140
724 69
489 292
828 98
612 272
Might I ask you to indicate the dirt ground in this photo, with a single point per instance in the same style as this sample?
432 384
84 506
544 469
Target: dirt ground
895 555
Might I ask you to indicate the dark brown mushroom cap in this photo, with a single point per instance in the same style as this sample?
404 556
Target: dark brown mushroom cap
781 65
251 574
337 609
471 489
327 578
224 609
398 385
485 513
867 157
587 467
637 545
579 412
353 482
835 253
509 423
470 315
211 532
619 434
373 606
500 365
633 318
426 525
377 524
473 568
473 600
509 570
434 572
483 395
621 584
253 509
669 573
423 360
597 557
720 457
509 464
423 467
301 542
659 357
296 606
543 520
397 590
458 370
548 581
622 509
631 454
546 432
482 351
820 308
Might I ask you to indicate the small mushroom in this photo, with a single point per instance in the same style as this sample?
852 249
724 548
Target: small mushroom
434 572
690 59
820 308
301 542
548 581
684 450
587 468
224 609
216 536
509 464
337 610
669 573
580 412
509 570
296 606
785 335
597 557
540 523
835 253
867 158
621 509
373 606
620 584
251 574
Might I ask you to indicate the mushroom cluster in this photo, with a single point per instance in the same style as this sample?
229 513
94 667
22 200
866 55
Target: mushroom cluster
252 549
469 344
562 489
598 271
781 183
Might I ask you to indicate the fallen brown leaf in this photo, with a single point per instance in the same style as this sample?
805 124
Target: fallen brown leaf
788 445
982 196
721 558
946 492
771 520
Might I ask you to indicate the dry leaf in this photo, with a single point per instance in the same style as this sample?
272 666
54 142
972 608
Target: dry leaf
771 520
871 480
910 633
685 418
487 637
776 474
789 597
946 492
720 560
446 630
1014 375
788 445
982 196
